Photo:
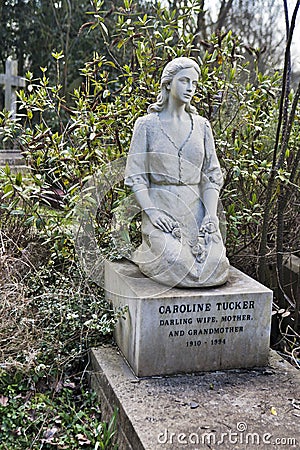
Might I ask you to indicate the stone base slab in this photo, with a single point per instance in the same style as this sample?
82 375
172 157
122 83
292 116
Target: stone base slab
247 409
173 330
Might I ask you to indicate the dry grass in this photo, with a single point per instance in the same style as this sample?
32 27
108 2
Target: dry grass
19 333
48 318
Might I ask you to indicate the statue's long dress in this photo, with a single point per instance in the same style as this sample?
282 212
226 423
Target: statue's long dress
176 179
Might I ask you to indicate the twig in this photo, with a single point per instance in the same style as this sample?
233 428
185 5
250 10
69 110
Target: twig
2 244
276 164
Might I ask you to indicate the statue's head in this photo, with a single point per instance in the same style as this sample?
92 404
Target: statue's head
170 70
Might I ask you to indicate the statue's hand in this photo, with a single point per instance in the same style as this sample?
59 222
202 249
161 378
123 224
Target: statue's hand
209 230
161 220
210 222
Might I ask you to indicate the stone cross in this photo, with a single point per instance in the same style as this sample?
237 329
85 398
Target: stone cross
11 81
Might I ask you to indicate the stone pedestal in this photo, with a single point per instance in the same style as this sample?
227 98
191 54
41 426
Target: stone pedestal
171 330
223 410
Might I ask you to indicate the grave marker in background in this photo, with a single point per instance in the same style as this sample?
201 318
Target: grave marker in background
11 82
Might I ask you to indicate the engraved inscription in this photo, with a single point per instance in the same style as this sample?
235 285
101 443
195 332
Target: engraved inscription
205 319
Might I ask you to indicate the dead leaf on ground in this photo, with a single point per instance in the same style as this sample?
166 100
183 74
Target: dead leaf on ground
69 385
82 439
49 434
3 400
273 411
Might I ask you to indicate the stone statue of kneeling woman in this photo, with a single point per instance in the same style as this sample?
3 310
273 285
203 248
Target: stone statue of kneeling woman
173 170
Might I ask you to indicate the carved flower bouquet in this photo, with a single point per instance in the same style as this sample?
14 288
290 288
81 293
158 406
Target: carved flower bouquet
208 233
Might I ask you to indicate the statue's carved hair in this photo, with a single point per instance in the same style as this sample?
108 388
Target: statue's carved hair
170 70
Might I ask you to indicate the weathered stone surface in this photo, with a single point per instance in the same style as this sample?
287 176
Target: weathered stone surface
174 172
14 159
11 81
237 409
291 280
172 330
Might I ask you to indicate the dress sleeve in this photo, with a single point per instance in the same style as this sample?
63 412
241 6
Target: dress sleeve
136 171
212 177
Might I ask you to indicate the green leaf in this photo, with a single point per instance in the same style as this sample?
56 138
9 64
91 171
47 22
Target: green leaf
19 179
7 169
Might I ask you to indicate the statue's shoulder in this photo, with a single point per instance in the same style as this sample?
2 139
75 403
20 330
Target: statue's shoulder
148 119
201 121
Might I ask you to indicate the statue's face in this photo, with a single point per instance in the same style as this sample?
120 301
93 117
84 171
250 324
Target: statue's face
184 84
